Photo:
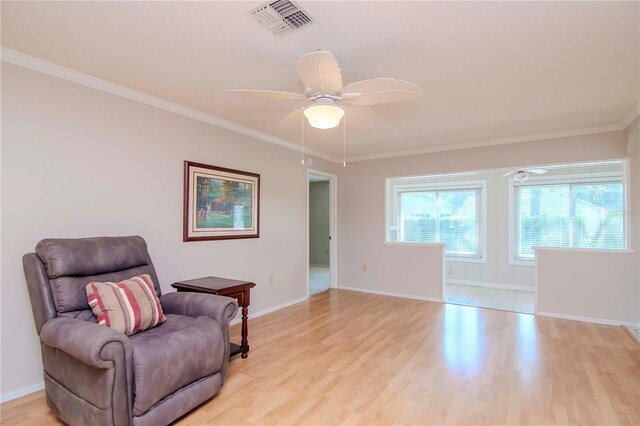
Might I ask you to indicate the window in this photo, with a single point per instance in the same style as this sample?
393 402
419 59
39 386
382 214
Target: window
438 213
585 211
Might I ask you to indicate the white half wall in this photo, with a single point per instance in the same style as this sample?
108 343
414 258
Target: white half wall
590 285
406 270
77 162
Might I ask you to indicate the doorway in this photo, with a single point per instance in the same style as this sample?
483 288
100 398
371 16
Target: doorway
321 258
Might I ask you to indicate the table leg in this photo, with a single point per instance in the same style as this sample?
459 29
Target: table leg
245 341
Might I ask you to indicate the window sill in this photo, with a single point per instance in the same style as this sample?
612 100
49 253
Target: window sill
586 250
522 262
464 259
403 243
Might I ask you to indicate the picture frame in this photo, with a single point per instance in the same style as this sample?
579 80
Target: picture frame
220 203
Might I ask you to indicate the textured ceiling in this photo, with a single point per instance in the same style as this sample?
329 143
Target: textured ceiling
488 69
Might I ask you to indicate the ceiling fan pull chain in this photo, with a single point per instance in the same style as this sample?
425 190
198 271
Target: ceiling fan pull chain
303 139
344 141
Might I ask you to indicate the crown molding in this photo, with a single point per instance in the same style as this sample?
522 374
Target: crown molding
633 114
491 142
45 67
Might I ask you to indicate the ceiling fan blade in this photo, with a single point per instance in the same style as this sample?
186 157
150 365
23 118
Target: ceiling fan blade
379 91
508 173
293 119
266 99
320 72
360 117
537 171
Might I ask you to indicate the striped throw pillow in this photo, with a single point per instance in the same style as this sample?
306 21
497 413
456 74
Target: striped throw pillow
129 306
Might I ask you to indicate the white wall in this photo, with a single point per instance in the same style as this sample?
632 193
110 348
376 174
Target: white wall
77 162
593 285
362 198
319 222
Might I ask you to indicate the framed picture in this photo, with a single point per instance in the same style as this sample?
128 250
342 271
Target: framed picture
219 203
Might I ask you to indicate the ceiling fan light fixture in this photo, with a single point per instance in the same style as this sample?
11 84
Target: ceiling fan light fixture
521 176
324 115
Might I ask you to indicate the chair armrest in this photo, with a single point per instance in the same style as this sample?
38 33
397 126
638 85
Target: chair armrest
84 341
220 308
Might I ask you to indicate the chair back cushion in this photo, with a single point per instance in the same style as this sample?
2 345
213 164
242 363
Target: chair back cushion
129 306
73 263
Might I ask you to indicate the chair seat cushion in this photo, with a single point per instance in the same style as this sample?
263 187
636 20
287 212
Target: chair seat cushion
178 352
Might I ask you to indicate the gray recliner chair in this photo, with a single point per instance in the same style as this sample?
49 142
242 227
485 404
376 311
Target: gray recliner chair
95 375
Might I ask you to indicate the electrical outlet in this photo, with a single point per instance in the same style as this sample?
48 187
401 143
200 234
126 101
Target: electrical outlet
270 279
364 266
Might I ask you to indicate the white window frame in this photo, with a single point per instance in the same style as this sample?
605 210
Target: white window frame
392 199
577 178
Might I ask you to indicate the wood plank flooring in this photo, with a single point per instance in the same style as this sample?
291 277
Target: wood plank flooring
355 358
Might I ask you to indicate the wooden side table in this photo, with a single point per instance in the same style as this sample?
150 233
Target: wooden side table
239 290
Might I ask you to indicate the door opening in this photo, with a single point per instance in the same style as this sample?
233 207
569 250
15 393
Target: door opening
321 238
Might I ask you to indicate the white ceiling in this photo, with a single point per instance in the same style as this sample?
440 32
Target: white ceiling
489 70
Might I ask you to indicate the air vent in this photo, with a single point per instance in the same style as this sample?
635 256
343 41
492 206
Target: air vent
281 16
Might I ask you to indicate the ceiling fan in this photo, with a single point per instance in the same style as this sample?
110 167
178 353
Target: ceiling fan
522 175
325 101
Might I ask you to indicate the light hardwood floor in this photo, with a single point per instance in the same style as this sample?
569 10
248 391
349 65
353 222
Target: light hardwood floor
352 358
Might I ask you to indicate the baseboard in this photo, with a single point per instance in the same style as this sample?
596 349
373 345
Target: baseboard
388 293
238 317
587 319
492 285
8 396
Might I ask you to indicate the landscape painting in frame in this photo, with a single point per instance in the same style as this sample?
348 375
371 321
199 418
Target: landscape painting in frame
220 203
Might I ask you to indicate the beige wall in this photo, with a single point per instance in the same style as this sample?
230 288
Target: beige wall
319 221
362 197
77 162
414 271
632 133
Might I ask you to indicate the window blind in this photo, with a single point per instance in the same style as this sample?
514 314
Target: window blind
581 215
442 216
